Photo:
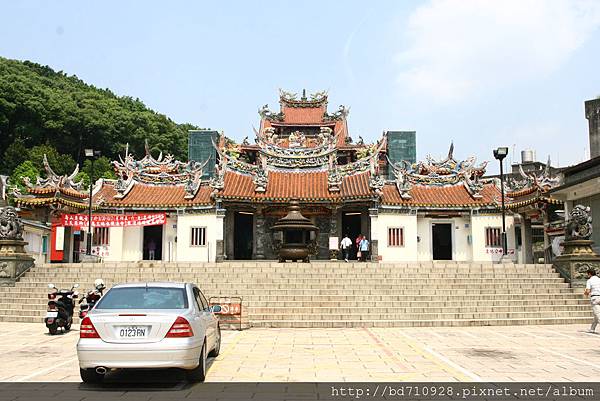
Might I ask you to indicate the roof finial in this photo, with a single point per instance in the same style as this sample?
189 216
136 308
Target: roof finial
303 94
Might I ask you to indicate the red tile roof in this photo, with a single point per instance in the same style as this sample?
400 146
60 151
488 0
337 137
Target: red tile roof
283 187
153 196
450 196
303 115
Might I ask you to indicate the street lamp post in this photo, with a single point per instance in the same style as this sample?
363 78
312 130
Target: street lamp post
500 154
91 154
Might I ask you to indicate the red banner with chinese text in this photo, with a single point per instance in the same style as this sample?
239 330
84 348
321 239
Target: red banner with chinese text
114 220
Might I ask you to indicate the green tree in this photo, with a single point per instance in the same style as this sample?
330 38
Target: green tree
25 169
40 106
15 154
61 164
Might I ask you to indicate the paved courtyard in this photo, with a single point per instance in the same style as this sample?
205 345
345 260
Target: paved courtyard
522 353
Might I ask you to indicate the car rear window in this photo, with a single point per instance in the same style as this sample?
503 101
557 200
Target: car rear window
144 298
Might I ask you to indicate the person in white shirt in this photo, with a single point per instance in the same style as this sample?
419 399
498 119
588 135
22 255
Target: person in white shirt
346 244
592 289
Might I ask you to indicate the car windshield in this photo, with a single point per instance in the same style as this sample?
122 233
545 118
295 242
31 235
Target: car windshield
144 298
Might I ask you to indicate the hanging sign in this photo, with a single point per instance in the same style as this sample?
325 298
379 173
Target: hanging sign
114 220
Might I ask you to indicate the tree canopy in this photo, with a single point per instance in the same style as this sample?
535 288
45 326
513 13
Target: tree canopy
44 111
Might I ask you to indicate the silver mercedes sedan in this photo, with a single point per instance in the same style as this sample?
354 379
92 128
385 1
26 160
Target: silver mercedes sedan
149 326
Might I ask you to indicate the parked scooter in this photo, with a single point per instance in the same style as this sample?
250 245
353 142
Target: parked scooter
60 308
87 303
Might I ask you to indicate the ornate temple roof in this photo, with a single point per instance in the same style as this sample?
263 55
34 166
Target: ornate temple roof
531 189
303 111
56 191
446 181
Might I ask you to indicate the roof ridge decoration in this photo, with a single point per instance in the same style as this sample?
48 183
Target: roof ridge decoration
53 180
157 172
530 182
290 99
445 172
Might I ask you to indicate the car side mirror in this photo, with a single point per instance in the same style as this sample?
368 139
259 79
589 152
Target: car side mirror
215 308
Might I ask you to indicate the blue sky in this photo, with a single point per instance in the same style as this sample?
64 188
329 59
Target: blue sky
479 73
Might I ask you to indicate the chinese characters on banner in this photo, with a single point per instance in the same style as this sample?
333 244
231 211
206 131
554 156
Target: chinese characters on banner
114 220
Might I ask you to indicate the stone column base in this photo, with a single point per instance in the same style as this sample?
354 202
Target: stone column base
14 261
577 258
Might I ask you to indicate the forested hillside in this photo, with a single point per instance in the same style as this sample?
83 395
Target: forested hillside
44 111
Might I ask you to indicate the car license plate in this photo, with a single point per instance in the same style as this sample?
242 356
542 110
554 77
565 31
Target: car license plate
51 314
132 331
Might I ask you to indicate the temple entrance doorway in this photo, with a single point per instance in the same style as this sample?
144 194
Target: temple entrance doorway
243 239
153 236
351 225
441 235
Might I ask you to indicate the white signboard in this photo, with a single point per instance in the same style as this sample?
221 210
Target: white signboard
334 242
60 239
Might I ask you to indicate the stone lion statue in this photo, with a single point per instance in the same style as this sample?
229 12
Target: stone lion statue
579 225
11 226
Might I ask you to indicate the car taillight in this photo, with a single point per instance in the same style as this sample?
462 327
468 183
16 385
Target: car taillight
87 329
181 328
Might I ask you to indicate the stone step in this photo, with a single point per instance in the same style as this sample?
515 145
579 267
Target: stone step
16 298
208 287
418 323
256 305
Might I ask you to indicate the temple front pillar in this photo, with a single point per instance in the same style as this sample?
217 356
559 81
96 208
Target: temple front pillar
259 235
526 239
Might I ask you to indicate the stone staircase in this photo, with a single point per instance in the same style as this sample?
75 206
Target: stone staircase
334 294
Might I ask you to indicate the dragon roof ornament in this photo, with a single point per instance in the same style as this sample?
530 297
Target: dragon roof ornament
54 181
533 181
160 171
448 171
290 99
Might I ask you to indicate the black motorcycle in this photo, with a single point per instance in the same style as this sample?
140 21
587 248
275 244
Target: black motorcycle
60 308
91 298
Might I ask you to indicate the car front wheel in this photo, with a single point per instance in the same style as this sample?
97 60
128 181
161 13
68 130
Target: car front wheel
198 374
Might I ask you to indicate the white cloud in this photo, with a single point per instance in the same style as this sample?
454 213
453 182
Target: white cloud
457 48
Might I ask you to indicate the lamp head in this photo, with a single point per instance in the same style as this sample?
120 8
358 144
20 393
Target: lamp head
89 153
500 153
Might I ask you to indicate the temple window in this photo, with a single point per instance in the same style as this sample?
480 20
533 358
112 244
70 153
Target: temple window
395 236
493 239
198 237
101 236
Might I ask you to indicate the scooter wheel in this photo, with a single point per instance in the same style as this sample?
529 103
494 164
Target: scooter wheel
53 330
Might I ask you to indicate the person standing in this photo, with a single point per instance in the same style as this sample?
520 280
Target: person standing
151 249
346 244
364 249
592 289
357 242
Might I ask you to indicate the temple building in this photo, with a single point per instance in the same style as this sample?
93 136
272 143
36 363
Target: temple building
223 205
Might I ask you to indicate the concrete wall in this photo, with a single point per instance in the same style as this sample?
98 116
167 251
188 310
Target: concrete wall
214 232
379 230
478 226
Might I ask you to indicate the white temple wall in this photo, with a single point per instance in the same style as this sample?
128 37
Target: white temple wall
169 251
406 253
115 244
479 223
424 246
133 238
461 245
186 252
